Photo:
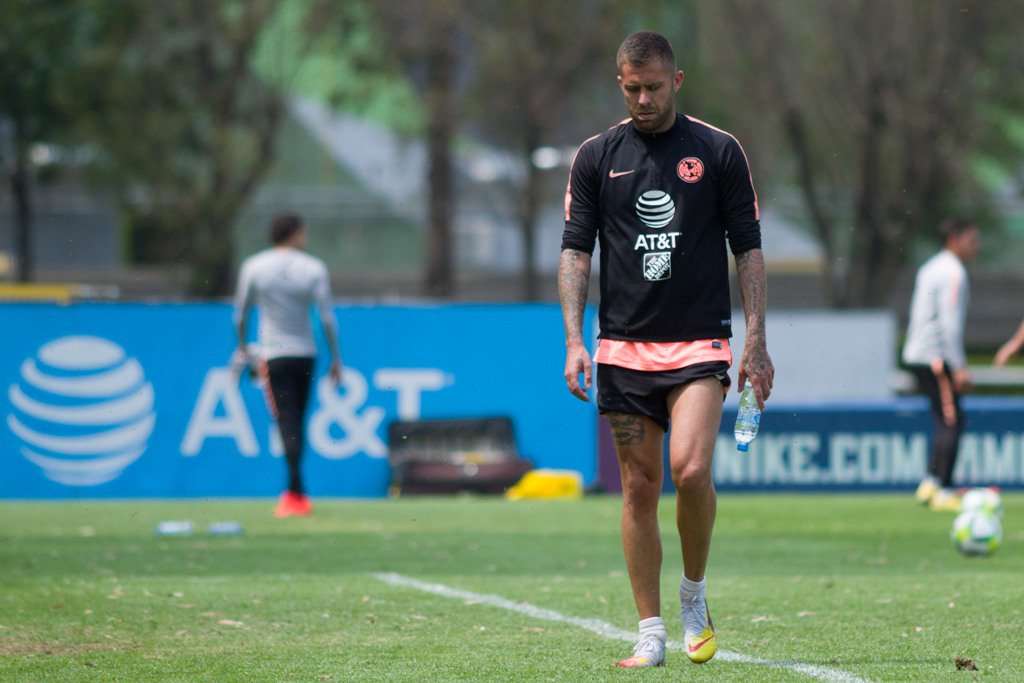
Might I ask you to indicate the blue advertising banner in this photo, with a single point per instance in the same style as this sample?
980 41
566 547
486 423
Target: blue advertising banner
879 446
135 400
882 446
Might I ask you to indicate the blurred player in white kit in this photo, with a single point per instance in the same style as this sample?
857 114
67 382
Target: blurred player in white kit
934 352
285 282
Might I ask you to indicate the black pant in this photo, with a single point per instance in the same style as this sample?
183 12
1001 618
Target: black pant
290 379
946 440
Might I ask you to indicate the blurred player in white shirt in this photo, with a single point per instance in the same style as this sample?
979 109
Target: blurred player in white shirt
285 283
934 352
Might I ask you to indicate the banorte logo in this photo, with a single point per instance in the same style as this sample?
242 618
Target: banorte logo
82 409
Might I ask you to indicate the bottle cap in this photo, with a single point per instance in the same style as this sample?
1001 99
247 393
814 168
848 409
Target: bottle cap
742 447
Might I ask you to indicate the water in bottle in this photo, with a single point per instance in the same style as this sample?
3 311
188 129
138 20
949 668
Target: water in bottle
175 527
226 528
747 419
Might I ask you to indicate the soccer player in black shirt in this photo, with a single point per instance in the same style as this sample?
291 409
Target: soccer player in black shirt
664 194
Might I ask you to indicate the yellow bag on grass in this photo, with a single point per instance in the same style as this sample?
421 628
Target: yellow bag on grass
546 484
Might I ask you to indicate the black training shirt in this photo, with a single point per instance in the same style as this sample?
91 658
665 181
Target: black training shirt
663 206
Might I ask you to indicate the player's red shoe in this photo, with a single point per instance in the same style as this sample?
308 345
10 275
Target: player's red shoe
303 505
293 504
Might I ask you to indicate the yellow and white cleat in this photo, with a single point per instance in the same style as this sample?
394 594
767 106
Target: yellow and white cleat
698 629
650 651
925 490
945 500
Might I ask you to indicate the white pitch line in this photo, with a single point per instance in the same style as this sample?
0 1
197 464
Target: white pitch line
603 628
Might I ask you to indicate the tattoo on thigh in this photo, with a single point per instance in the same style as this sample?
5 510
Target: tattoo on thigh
628 430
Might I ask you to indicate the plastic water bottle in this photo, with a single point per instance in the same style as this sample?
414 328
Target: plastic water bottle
747 419
175 527
226 528
246 363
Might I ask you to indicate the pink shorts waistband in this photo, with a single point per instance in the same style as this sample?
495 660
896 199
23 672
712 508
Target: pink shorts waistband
658 356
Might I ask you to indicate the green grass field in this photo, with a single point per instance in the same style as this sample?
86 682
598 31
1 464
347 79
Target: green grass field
865 586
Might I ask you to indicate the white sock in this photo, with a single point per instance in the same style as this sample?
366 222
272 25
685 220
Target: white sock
691 588
694 622
653 626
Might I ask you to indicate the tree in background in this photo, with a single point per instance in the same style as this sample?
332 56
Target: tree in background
884 116
36 49
425 41
184 125
531 66
873 108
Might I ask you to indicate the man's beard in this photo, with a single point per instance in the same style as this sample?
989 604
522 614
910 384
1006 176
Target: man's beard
659 119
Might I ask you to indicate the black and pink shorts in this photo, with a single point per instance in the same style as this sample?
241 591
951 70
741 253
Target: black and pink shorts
645 392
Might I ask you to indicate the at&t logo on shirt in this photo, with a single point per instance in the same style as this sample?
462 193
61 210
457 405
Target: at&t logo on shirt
655 209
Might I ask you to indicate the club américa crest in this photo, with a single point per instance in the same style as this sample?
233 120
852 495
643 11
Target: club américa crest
690 169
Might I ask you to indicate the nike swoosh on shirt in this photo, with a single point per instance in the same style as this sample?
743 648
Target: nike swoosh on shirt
694 648
615 174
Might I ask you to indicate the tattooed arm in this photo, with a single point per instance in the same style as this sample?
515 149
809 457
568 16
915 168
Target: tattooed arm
573 283
756 364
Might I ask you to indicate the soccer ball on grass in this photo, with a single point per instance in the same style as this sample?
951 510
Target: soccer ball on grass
976 532
984 500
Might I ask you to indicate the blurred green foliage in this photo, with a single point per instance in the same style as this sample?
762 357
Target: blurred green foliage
867 119
343 65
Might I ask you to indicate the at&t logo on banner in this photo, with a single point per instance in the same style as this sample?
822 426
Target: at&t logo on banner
81 410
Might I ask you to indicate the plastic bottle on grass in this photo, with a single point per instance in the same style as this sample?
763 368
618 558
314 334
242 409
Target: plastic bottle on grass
226 528
175 527
747 419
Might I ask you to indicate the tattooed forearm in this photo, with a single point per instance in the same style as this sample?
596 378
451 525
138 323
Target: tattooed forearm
628 430
753 289
756 363
573 283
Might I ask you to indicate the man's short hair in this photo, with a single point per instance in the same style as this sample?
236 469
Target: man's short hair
954 227
284 226
644 47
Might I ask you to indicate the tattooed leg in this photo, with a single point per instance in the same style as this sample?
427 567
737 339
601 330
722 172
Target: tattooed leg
638 442
628 430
